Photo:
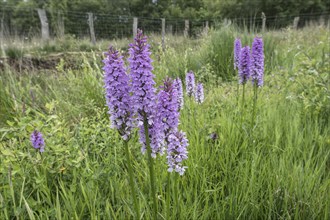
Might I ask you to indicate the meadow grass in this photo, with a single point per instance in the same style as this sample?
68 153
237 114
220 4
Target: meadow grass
275 167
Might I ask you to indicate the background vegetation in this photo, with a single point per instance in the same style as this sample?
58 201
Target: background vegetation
113 18
178 8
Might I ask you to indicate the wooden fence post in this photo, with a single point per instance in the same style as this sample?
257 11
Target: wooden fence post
322 21
91 27
170 29
2 29
163 34
186 28
60 25
295 23
135 26
263 17
226 22
44 24
2 35
206 28
251 26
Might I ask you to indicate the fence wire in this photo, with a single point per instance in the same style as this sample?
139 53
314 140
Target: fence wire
25 22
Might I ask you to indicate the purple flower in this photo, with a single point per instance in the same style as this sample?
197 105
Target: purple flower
237 52
178 86
244 65
167 109
156 136
190 83
177 152
257 64
116 84
144 92
213 136
199 95
37 141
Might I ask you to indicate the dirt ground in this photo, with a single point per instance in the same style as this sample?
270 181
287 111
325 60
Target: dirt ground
29 63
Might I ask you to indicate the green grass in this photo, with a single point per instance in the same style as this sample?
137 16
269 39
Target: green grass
275 168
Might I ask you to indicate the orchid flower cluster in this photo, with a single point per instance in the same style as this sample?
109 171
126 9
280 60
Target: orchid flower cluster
250 63
37 141
192 90
179 88
133 101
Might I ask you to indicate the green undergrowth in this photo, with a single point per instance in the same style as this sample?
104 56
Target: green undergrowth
275 166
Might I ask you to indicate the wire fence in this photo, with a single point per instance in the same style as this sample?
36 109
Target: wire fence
27 22
280 21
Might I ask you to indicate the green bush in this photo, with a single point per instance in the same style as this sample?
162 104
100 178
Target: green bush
313 84
14 53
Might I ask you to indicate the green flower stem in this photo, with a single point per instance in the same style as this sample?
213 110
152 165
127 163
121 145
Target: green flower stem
255 90
176 195
237 90
168 195
243 103
151 167
131 182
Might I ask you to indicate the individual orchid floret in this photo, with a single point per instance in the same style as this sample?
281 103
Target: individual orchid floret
37 141
190 83
199 95
257 62
237 52
117 93
179 88
244 65
177 152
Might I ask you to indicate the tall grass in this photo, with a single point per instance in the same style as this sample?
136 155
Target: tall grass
274 168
